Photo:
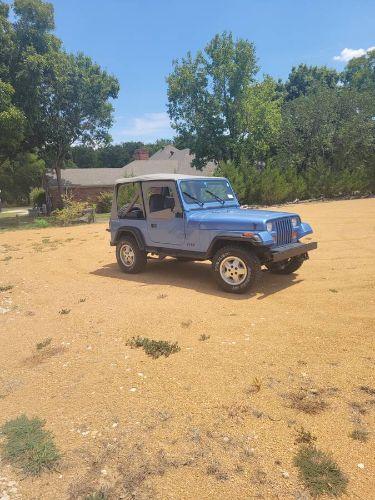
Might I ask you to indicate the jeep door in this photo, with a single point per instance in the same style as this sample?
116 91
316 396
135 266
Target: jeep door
165 222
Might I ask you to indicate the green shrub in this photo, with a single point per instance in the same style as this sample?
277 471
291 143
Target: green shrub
37 197
72 211
104 202
154 348
236 177
28 445
319 472
40 223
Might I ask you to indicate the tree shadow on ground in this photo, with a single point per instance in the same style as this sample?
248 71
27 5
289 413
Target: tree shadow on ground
196 276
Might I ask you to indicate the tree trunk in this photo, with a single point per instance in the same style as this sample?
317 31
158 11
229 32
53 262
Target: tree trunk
60 203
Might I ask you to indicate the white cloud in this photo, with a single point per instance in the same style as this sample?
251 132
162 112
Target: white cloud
347 54
149 126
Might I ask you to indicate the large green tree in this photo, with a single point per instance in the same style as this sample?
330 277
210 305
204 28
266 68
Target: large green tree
302 79
332 127
205 97
75 106
260 122
360 73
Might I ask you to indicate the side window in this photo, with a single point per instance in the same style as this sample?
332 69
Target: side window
129 203
161 202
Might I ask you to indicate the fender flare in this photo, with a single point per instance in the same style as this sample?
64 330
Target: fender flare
133 231
224 239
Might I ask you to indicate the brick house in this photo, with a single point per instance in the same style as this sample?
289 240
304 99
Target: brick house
87 183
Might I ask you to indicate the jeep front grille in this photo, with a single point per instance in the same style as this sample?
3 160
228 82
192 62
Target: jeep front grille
283 229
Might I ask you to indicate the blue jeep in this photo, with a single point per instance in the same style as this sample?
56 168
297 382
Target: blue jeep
199 218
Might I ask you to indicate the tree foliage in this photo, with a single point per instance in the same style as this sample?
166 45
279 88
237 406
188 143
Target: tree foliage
205 96
49 99
302 79
310 136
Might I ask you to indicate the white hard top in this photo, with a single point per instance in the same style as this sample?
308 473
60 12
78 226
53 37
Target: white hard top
163 177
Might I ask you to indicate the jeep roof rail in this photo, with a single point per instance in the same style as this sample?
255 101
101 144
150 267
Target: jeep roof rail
163 177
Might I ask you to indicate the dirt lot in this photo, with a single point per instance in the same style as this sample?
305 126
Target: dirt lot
216 420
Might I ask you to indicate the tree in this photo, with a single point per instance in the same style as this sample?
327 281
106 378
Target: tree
12 122
330 132
360 72
84 156
117 155
302 79
205 94
260 121
75 106
18 175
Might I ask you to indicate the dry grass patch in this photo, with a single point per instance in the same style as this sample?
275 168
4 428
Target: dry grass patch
28 446
308 401
304 437
43 354
361 435
368 390
6 288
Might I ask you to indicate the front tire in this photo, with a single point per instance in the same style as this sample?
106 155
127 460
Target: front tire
130 257
236 270
287 266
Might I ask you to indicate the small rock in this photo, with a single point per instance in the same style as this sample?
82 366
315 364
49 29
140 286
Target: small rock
104 472
285 474
361 466
133 389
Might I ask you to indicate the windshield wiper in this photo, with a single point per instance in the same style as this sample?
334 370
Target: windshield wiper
215 196
193 198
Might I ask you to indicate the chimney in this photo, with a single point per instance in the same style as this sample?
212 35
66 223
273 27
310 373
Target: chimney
141 154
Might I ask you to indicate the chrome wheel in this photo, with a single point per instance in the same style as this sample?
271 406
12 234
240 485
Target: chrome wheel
127 255
233 270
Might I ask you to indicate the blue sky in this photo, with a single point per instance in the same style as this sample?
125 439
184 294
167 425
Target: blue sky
137 40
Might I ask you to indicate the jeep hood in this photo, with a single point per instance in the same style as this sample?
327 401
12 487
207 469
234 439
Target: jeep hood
234 219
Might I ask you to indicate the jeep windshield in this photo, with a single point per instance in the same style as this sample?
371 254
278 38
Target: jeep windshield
202 191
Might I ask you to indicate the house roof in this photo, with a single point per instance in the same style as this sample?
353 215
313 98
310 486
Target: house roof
87 177
161 177
168 160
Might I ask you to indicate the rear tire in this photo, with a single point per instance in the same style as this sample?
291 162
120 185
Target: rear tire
287 266
236 270
130 257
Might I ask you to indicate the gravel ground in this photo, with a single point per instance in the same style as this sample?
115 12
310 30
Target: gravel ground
219 418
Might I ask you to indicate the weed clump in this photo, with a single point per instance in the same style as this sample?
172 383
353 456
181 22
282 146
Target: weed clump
97 495
154 348
359 435
304 437
204 337
44 343
319 472
64 311
28 445
5 288
307 401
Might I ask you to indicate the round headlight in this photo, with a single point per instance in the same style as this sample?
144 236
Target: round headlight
269 226
294 221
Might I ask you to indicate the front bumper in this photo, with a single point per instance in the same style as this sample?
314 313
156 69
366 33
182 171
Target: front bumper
284 252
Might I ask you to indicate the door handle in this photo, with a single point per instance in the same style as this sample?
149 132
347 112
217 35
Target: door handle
154 225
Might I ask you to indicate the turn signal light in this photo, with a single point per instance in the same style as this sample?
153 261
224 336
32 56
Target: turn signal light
294 234
247 235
